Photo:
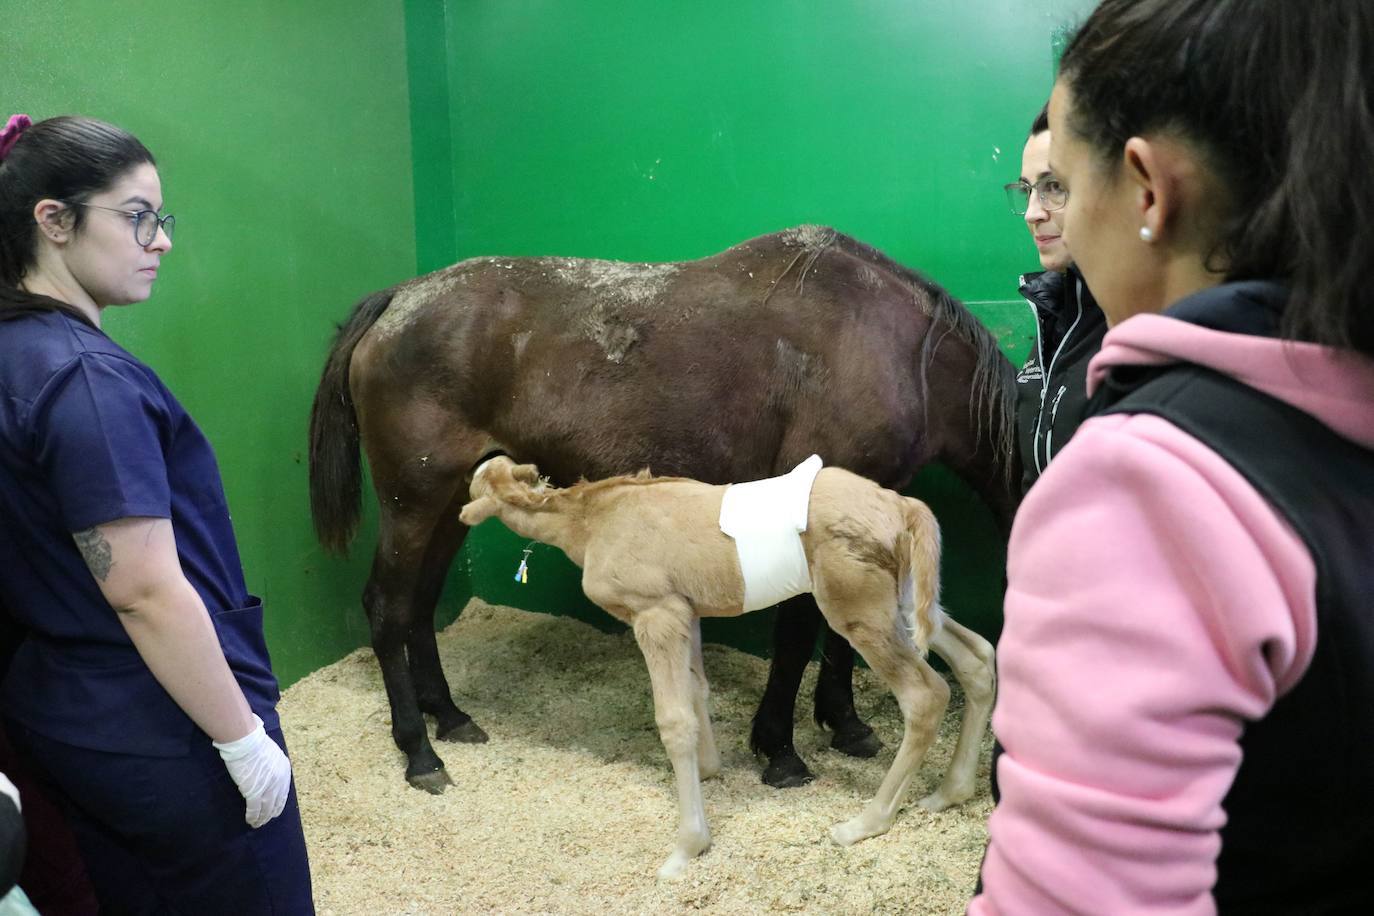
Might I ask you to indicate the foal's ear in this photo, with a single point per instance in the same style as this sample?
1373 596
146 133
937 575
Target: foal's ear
526 474
479 510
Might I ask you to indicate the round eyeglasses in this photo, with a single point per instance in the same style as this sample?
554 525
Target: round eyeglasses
1051 192
146 222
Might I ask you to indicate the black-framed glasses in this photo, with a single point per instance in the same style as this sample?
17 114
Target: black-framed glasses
146 222
1050 190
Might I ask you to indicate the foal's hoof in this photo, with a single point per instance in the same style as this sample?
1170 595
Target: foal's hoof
945 797
434 782
787 772
688 848
857 740
672 869
856 829
467 733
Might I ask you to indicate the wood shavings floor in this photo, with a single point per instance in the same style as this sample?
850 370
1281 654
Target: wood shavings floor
571 807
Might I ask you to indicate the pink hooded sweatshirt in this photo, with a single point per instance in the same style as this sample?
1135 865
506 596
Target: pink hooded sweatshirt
1155 603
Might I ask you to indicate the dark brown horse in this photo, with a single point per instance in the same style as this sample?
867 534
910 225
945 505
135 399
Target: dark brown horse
730 368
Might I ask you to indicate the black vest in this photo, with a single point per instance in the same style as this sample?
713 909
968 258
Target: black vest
1299 836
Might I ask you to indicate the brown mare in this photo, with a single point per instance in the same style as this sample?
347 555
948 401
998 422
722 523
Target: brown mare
725 369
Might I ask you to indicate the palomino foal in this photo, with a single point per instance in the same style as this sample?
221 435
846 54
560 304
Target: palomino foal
653 555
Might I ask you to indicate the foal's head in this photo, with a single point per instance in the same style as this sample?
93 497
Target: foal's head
500 480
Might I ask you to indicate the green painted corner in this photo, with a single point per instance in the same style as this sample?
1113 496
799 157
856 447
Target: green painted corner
431 137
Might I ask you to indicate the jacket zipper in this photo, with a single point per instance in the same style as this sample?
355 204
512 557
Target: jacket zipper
1045 377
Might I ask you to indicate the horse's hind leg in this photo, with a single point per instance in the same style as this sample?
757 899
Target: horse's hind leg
922 695
970 658
861 606
431 687
794 640
418 454
393 615
835 700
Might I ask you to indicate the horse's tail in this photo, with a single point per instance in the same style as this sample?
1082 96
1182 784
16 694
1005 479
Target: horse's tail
918 572
335 471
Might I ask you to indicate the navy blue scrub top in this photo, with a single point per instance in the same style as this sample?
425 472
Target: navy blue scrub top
88 434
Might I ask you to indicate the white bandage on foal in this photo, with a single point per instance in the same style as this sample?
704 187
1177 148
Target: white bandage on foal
766 518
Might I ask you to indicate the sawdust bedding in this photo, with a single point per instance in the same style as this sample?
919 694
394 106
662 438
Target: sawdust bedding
571 807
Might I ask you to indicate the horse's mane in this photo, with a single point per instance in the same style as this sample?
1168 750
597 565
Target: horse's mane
994 377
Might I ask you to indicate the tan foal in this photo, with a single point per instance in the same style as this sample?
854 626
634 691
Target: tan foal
653 555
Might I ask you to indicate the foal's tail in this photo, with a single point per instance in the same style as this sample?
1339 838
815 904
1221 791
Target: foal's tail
918 572
335 474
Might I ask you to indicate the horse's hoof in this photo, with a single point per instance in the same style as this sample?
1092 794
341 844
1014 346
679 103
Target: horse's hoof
787 773
467 733
857 741
434 782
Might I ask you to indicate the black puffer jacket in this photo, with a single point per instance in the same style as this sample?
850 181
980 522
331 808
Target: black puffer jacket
1051 388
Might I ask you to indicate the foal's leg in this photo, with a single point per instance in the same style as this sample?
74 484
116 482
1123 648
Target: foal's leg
708 757
860 604
970 657
664 636
922 695
794 640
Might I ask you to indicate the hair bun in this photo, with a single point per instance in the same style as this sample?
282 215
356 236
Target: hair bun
16 125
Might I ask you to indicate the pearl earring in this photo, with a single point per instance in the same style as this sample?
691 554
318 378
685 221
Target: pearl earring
1146 235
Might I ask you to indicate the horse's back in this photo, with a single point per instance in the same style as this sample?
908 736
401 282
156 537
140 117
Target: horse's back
718 368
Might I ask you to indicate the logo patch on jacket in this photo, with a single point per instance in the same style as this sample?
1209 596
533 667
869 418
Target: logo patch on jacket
1032 371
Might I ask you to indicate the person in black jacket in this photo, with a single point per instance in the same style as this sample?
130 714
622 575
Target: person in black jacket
1051 388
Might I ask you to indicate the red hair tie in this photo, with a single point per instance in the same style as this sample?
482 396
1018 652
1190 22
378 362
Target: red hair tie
16 125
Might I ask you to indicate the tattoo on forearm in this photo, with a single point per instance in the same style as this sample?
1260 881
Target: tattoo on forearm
97 552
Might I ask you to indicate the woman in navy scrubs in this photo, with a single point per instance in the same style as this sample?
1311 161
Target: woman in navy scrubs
142 693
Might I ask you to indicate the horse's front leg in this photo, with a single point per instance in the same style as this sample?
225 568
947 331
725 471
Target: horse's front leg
664 636
794 640
835 700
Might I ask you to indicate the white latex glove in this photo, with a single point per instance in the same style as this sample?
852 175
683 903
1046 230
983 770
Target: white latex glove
260 770
8 788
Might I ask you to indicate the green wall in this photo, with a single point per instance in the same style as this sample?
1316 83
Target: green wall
316 150
282 132
657 131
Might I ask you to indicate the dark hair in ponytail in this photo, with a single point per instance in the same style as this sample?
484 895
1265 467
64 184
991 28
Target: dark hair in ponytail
64 158
1278 96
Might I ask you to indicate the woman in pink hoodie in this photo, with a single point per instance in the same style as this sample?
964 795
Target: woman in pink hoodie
1187 666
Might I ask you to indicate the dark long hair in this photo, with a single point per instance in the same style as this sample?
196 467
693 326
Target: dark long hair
1278 96
65 158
